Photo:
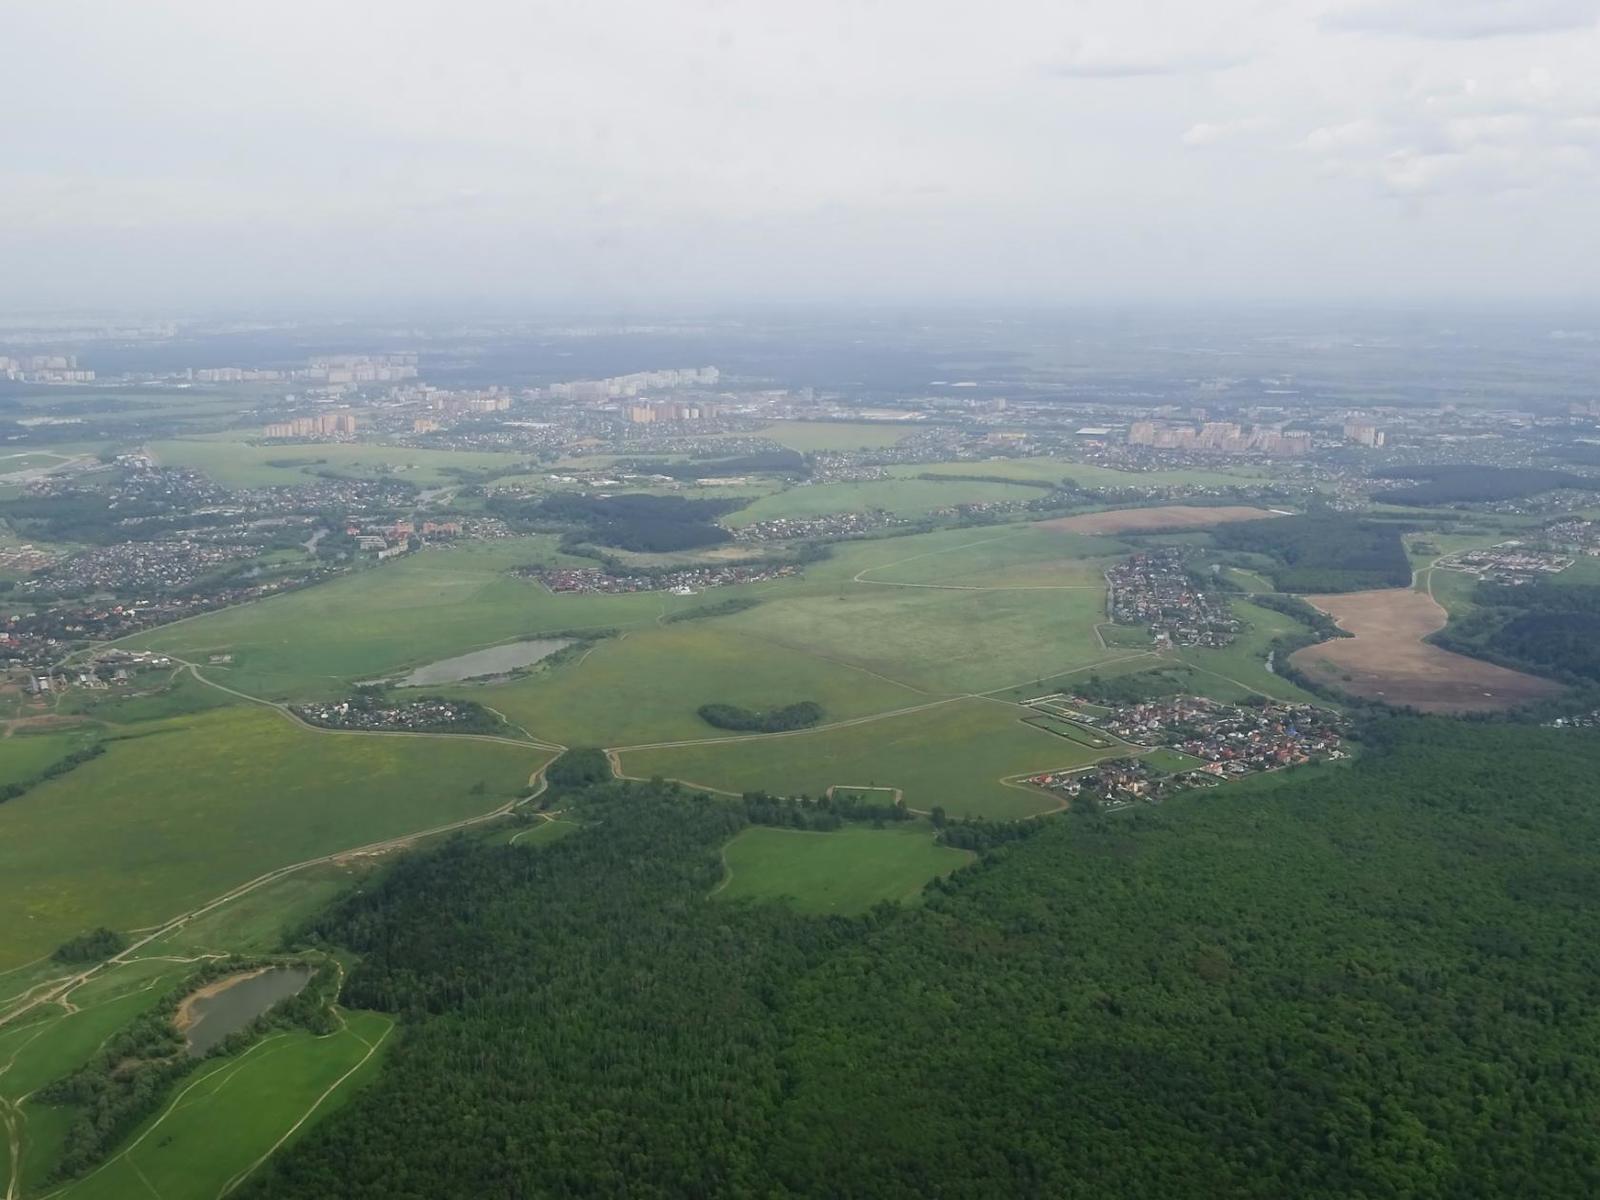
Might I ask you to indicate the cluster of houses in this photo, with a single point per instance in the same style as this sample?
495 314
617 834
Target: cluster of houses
1224 741
369 714
1513 563
1156 589
106 670
687 582
392 539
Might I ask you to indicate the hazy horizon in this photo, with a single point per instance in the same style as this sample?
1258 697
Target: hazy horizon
630 157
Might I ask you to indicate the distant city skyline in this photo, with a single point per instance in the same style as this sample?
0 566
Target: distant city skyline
618 153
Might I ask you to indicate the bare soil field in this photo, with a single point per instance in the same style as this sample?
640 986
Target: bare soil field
1388 660
1167 516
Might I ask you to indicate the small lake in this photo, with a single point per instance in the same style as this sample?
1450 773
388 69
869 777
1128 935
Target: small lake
229 1010
496 660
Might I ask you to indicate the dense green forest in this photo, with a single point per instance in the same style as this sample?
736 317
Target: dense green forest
1323 553
1371 980
1547 627
635 521
1457 482
800 715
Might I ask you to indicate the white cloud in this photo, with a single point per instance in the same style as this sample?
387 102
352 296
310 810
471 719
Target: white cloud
1100 58
1211 133
1464 19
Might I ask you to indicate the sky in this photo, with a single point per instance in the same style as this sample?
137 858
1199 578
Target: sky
642 152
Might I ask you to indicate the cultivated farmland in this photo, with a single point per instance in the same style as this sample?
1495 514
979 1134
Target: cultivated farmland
1388 659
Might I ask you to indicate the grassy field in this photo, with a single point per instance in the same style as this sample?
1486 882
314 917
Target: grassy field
903 497
1245 661
1026 556
128 840
846 871
955 755
24 755
232 1112
647 685
375 622
937 640
237 464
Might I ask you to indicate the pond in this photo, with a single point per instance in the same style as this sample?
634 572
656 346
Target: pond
229 1004
496 660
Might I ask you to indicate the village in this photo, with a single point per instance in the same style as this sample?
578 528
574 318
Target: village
1201 742
1156 589
687 582
373 712
1513 563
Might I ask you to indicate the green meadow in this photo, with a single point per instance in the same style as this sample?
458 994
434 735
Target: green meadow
845 871
238 464
125 841
231 1113
957 754
903 497
646 685
1054 470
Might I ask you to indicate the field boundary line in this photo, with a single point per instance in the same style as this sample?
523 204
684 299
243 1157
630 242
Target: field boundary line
372 1048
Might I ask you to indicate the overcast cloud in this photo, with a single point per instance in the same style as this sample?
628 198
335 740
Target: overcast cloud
189 152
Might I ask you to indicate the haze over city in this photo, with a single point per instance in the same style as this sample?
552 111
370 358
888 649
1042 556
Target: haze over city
623 153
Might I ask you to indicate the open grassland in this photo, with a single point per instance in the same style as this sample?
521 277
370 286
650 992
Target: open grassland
237 464
938 640
1243 664
903 497
24 755
955 755
188 809
845 871
1388 660
371 624
1161 517
1029 556
378 621
647 686
231 1113
806 436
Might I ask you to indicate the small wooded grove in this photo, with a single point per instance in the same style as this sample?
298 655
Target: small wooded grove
800 715
1325 552
1372 980
1551 628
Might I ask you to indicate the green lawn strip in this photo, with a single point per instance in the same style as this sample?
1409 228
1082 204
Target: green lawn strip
845 871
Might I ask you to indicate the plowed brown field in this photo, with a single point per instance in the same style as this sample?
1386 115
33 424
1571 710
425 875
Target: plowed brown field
1388 660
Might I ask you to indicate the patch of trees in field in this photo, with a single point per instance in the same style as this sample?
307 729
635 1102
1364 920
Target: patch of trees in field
579 768
821 814
61 766
801 715
634 521
94 945
1372 981
1323 552
1452 483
